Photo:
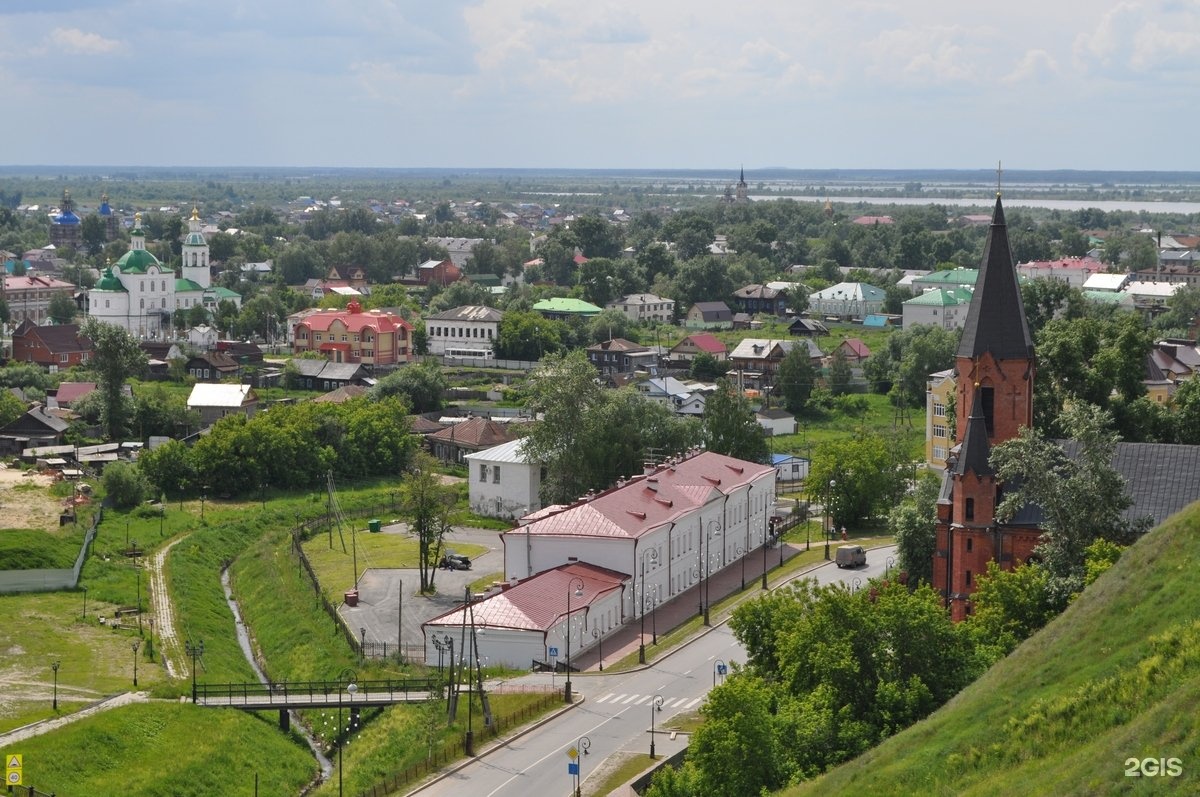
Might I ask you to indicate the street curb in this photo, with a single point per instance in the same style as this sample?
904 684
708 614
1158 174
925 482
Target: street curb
495 745
705 631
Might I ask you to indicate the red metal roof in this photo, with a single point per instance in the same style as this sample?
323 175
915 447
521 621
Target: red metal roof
355 321
707 342
539 603
648 502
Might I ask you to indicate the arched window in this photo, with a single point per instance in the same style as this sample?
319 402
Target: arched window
970 508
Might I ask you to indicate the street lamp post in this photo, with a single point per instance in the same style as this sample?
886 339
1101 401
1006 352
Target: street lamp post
582 746
599 637
718 666
135 644
54 665
764 543
351 678
749 488
653 554
203 496
578 594
194 651
400 624
655 705
138 567
829 514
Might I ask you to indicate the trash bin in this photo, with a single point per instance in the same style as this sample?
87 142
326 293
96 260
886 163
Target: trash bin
351 597
374 524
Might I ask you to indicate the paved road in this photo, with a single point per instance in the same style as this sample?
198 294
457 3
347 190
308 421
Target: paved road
616 711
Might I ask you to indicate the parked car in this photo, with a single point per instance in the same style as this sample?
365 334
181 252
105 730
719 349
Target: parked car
851 556
455 561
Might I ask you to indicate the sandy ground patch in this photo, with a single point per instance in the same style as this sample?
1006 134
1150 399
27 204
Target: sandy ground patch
25 508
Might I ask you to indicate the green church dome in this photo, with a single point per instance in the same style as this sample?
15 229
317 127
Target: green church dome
108 282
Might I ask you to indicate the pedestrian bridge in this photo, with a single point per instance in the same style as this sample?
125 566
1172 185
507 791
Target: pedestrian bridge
289 695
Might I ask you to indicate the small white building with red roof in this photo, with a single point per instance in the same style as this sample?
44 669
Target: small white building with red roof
1072 270
370 337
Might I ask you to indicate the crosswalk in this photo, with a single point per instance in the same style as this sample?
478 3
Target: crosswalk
626 699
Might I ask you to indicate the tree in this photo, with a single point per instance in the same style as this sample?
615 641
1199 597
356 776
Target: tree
117 357
62 308
839 373
597 237
124 485
1009 606
865 473
423 385
730 427
707 368
914 525
526 335
168 467
738 727
427 503
11 407
1081 496
608 324
93 233
796 379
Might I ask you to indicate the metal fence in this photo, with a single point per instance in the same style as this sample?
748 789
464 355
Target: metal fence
441 755
47 579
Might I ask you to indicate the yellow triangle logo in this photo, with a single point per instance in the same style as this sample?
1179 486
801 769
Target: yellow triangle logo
14 762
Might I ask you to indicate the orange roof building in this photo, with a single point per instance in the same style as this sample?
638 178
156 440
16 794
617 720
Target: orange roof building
353 335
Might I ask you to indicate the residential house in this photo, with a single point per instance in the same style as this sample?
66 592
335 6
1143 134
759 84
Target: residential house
848 301
870 221
52 347
684 398
1072 270
1111 283
459 249
755 299
466 436
560 308
326 375
620 356
28 297
438 272
807 328
352 335
350 276
503 482
467 331
37 427
214 401
342 394
853 350
203 337
951 278
687 349
644 308
68 393
709 315
776 421
939 307
212 366
755 360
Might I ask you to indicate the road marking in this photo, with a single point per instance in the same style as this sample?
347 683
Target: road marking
694 702
626 700
642 700
606 697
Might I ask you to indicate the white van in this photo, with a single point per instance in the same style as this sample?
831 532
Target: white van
851 556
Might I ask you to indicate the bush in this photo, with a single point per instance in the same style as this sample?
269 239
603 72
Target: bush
124 485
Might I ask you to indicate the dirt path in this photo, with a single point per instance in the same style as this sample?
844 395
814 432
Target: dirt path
164 618
45 726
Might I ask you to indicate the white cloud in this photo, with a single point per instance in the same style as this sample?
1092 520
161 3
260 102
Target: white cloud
1035 65
78 42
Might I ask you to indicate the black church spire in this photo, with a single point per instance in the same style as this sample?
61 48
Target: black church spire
996 321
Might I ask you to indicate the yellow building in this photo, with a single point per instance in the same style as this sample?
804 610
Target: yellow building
939 434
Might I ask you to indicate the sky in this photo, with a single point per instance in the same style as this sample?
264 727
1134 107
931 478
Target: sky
654 84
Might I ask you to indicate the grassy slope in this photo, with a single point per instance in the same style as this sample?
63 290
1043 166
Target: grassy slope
1114 677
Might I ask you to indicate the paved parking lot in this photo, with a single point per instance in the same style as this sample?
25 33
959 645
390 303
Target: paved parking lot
377 616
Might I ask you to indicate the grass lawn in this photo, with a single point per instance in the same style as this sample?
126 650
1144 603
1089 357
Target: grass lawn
1116 676
335 567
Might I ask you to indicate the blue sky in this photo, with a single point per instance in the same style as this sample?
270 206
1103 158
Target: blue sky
601 83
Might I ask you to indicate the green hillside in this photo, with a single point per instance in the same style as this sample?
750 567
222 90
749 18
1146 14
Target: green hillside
1115 677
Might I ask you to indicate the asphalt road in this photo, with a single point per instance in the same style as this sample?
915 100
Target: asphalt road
616 711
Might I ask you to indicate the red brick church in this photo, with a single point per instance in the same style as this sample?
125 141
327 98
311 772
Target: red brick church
995 370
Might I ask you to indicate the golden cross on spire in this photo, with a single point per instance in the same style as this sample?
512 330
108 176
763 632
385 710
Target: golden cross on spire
999 173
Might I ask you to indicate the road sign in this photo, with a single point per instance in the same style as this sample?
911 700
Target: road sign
572 752
722 669
14 761
573 768
13 777
554 653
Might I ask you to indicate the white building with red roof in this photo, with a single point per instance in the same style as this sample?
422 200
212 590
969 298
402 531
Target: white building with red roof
648 539
371 337
1072 270
530 621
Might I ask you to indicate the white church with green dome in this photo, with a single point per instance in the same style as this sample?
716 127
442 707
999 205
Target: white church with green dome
141 294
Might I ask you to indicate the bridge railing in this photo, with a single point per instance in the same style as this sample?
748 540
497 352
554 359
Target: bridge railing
299 691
